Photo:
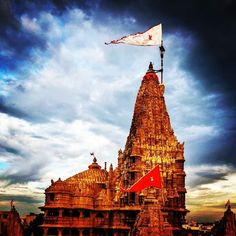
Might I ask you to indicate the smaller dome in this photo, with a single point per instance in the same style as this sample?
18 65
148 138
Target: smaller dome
94 174
94 165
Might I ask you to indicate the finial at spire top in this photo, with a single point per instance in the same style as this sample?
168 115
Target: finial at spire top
150 66
151 73
94 165
228 204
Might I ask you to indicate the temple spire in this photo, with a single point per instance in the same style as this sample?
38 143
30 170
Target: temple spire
152 142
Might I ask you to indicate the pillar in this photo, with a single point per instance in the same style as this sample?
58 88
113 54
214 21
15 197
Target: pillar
60 212
59 232
46 212
45 231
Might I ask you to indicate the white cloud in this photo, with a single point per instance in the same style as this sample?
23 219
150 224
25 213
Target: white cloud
56 144
197 132
30 24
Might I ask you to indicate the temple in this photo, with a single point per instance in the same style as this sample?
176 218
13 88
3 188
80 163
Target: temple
227 225
10 223
92 203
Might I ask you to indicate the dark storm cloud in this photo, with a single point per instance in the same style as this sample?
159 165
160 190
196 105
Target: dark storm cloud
21 177
222 151
15 42
15 111
7 17
11 110
9 149
21 171
19 198
219 150
63 5
212 58
211 22
208 178
213 176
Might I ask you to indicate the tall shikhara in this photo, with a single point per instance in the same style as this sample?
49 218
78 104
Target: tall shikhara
92 203
151 141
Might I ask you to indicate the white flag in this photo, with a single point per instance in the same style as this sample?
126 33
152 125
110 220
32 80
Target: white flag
151 37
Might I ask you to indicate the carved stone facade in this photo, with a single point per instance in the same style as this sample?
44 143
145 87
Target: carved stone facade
150 220
91 203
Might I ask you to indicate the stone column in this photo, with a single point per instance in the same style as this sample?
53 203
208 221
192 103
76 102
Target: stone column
59 232
70 213
46 212
60 212
45 231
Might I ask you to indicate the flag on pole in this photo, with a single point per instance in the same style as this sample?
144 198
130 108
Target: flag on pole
151 179
227 203
151 37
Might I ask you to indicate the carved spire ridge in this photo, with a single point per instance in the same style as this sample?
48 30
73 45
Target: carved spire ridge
111 167
105 165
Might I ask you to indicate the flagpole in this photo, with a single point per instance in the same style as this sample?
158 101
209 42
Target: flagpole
162 51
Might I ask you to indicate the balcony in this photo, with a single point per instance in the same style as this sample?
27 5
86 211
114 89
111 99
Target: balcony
78 222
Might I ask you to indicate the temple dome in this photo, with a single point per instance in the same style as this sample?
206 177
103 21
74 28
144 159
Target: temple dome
87 183
94 174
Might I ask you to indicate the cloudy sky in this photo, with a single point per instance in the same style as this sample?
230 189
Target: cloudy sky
64 93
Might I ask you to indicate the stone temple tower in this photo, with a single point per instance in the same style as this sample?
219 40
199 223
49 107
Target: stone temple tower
91 202
152 141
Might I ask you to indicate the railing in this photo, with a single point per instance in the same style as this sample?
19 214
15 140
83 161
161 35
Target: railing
87 222
77 221
51 220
